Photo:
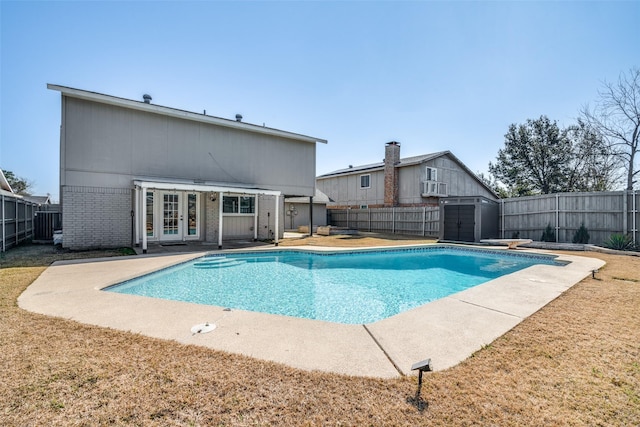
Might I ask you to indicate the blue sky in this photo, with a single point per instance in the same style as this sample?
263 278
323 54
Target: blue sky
432 75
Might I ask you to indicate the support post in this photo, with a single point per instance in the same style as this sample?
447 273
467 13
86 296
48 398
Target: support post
144 219
220 222
255 219
277 220
310 216
136 215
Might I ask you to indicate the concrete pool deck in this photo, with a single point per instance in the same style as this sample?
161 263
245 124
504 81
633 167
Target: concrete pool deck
447 330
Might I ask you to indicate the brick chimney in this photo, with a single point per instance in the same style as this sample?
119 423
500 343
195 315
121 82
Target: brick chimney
391 159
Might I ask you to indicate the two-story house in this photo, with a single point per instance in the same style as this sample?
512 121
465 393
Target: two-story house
412 181
133 172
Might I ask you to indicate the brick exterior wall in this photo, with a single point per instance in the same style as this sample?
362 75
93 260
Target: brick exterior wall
391 187
96 217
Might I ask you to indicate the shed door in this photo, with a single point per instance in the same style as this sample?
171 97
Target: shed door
459 223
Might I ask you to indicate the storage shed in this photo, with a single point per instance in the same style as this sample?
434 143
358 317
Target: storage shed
468 219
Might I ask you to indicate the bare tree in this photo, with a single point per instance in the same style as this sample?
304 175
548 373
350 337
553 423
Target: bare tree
593 166
616 116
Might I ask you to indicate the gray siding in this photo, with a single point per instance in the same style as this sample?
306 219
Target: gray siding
106 145
302 218
345 190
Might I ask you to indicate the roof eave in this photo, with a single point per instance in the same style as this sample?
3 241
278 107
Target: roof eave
182 114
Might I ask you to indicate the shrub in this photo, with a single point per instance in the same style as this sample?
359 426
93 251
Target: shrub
582 235
620 242
515 235
548 235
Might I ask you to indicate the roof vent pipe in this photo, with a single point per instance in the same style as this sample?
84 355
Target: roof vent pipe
147 98
238 117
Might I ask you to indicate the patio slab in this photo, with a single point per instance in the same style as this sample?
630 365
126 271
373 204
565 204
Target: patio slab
447 330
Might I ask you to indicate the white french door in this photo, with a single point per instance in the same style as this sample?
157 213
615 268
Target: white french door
178 216
172 217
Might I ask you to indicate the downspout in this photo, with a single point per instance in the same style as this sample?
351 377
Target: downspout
220 220
277 220
144 218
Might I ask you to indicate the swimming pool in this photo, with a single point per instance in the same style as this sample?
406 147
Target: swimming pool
354 287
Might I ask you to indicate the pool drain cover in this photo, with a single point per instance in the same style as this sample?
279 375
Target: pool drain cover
203 328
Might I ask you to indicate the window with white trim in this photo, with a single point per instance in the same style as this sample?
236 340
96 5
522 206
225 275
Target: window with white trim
432 174
238 204
365 181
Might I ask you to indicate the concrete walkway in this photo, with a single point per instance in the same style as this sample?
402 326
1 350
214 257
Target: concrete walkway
447 330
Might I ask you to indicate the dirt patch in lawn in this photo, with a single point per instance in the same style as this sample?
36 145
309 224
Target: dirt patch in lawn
575 362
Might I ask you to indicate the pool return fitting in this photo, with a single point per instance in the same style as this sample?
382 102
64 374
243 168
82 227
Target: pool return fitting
203 328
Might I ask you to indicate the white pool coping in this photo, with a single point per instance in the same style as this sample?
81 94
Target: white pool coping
448 330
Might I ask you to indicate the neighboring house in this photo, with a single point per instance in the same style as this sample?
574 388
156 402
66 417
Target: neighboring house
412 181
297 211
132 172
5 188
39 200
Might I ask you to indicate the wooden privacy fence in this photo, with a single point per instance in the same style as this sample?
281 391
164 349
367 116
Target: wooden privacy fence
45 222
422 221
16 221
602 213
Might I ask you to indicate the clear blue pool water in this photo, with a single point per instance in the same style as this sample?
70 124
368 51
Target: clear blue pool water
352 288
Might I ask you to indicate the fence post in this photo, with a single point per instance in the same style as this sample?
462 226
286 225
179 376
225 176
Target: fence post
424 220
17 222
393 220
557 216
348 208
369 212
634 213
4 229
502 202
625 213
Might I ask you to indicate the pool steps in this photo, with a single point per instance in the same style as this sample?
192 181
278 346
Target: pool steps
218 262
